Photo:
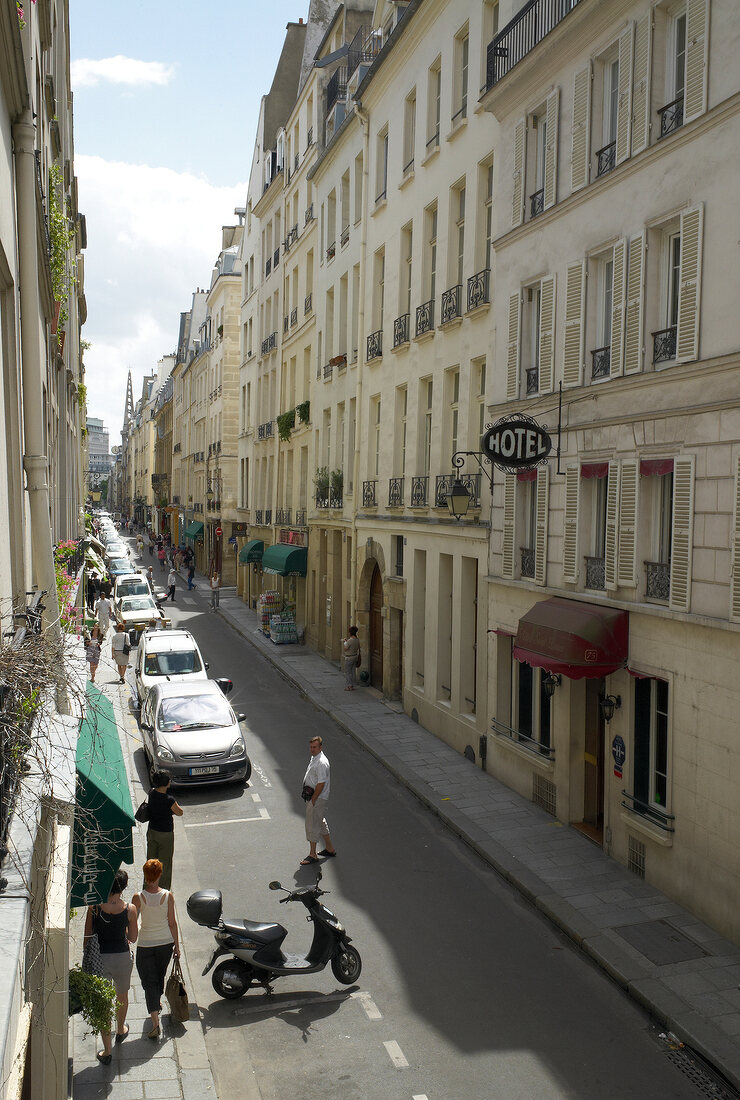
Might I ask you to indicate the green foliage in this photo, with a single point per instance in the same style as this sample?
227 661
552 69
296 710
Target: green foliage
321 481
286 423
337 483
62 236
97 997
82 394
304 411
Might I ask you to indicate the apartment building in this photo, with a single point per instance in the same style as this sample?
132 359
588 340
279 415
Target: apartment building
614 596
184 455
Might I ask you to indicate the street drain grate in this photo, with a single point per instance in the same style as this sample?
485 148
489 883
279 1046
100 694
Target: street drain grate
660 942
696 1070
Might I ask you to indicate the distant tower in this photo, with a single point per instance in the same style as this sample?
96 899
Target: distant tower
128 415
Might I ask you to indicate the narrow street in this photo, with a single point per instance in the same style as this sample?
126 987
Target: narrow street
465 992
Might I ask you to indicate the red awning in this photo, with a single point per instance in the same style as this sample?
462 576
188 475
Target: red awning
591 470
526 475
573 639
655 467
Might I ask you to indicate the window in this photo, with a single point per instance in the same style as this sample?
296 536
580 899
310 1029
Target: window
381 188
531 310
539 125
345 213
402 404
409 133
460 101
407 244
479 370
427 393
530 706
457 244
453 404
650 783
674 279
530 343
399 541
375 463
607 73
489 30
601 358
358 188
431 252
487 193
434 93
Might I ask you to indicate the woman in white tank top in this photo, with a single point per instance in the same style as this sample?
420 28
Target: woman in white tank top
158 939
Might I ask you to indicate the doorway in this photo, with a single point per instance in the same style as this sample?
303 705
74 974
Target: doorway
376 630
593 763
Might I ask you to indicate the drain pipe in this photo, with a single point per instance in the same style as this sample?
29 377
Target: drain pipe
365 123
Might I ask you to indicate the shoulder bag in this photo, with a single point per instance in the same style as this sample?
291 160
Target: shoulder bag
142 814
176 994
92 960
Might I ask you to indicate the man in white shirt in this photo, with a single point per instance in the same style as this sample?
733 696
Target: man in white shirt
104 608
317 777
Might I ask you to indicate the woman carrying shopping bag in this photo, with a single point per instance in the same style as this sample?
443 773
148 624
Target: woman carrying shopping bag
158 940
114 922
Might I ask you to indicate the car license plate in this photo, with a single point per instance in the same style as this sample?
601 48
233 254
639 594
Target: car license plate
205 771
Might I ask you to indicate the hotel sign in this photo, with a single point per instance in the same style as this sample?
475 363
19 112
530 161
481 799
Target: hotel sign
516 442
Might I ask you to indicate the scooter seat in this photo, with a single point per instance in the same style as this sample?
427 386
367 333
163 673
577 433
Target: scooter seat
250 929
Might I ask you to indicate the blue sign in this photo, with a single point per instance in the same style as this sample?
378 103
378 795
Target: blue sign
232 540
619 753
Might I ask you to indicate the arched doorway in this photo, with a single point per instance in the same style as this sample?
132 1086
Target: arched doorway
376 629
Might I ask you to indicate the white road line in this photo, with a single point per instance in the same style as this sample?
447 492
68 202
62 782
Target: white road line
371 1009
256 797
264 816
275 1007
263 778
420 1096
396 1054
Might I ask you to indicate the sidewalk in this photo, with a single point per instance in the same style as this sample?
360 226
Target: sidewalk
599 904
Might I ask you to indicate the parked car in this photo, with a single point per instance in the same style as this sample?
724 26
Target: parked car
136 612
171 655
190 731
132 584
118 567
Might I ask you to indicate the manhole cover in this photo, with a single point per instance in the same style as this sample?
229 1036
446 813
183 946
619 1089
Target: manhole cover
660 942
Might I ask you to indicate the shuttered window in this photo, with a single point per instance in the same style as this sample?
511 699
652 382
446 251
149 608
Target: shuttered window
619 289
735 570
540 545
507 544
513 356
517 194
546 334
687 337
682 533
624 106
634 313
550 182
695 95
612 531
574 324
628 504
570 524
641 84
580 140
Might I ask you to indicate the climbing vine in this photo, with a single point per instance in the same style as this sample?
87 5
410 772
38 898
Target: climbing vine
61 235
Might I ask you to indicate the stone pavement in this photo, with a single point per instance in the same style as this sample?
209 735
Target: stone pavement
686 976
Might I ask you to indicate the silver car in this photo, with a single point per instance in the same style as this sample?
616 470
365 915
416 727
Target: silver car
190 731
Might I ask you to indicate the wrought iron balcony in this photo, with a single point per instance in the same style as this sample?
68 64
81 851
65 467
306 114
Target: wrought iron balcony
264 431
322 496
336 88
533 380
300 517
433 142
527 559
336 498
420 491
664 344
368 494
363 48
285 324
478 288
671 117
444 483
344 239
451 304
268 516
276 257
606 158
658 580
537 203
425 317
265 346
258 516
268 267
309 138
521 34
601 362
294 317
595 575
401 330
375 345
309 214
282 516
308 304
296 161
272 341
395 492
328 370
331 250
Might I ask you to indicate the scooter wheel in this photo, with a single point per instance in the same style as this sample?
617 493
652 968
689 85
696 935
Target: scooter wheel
232 978
347 965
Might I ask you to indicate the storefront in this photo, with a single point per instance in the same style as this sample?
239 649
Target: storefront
287 562
250 562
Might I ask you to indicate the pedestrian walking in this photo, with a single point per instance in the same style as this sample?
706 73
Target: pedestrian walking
191 575
158 939
92 651
92 591
115 922
103 610
352 657
171 584
316 783
140 545
120 649
162 555
215 590
150 544
160 836
150 577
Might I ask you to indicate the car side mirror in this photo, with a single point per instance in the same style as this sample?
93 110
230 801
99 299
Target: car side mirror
241 717
147 727
225 684
206 666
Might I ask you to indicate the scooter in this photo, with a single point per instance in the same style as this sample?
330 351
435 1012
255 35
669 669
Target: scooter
256 948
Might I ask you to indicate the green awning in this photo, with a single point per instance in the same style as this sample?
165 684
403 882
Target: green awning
252 551
104 815
284 560
193 529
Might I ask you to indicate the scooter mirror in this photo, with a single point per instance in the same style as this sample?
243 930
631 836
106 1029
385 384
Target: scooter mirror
276 885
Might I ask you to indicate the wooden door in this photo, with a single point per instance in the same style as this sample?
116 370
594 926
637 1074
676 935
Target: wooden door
376 629
593 791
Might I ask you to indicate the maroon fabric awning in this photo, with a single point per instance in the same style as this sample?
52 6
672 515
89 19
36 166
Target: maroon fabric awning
591 470
526 475
574 639
655 467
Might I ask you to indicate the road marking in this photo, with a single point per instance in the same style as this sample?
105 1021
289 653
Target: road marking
256 798
396 1054
263 778
269 1004
371 1009
263 816
420 1096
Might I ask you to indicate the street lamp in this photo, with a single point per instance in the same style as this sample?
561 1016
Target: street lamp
550 682
608 704
458 498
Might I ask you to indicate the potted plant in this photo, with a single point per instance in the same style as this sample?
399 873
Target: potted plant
321 481
304 411
285 424
94 997
337 485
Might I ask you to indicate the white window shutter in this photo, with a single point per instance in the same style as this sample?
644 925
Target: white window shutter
689 298
695 96
682 533
517 194
507 545
629 483
575 295
634 313
624 104
512 362
547 334
581 136
570 523
612 533
735 566
551 153
540 542
619 290
641 84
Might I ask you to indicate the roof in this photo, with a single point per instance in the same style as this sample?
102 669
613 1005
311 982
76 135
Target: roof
163 641
197 687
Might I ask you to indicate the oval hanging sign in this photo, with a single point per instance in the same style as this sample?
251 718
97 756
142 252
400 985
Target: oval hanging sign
516 443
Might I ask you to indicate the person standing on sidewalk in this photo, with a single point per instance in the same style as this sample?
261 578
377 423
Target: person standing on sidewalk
160 837
215 588
103 609
92 651
351 650
120 649
191 575
116 924
171 584
159 939
316 780
162 555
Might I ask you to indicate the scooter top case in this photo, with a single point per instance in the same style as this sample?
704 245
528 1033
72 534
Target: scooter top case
204 907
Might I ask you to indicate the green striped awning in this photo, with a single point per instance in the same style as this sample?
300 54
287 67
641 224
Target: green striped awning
193 529
252 551
284 560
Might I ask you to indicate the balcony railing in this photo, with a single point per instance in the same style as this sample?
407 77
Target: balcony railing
300 517
309 214
264 431
395 492
268 516
537 203
328 370
433 142
408 168
521 34
272 341
258 516
368 494
595 574
322 497
331 250
451 304
294 317
664 344
658 585
276 257
282 516
336 88
401 330
285 324
336 499
527 559
601 362
365 46
425 317
606 158
420 491
309 138
344 239
478 288
533 380
268 267
671 117
375 345
308 303
444 483
522 739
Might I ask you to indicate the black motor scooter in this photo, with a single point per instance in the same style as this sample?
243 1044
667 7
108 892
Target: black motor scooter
256 948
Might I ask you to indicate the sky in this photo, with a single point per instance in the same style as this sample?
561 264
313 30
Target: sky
166 100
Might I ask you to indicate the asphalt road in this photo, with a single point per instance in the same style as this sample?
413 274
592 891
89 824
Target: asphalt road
466 992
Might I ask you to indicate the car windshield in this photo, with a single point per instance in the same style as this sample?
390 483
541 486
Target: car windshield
194 712
119 563
138 603
177 663
133 588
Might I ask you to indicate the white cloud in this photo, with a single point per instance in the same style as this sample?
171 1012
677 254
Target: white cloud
153 237
87 72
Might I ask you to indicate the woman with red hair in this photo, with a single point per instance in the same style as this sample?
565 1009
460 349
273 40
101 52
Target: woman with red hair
158 939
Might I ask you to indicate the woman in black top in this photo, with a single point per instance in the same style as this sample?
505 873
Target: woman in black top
160 837
116 924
